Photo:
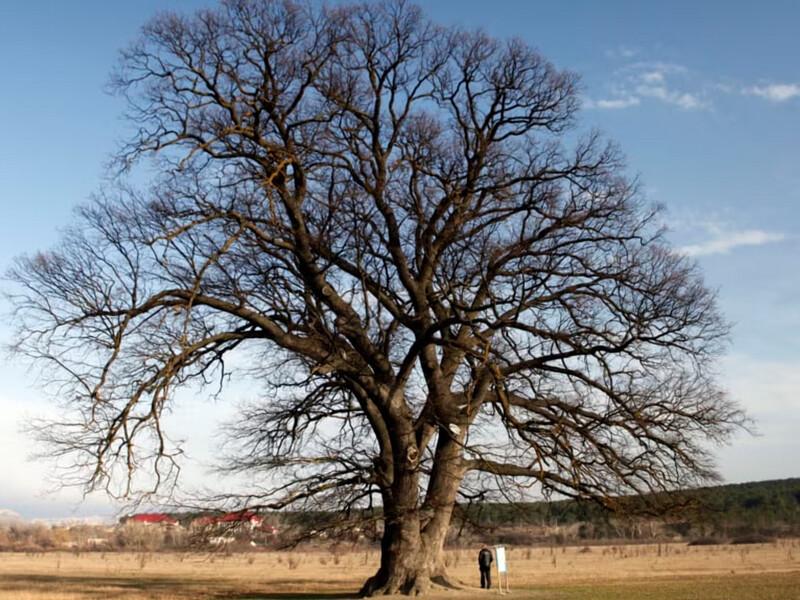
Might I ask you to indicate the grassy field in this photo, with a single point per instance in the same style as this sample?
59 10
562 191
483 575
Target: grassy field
646 572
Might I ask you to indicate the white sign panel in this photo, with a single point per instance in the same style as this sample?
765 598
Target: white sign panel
500 556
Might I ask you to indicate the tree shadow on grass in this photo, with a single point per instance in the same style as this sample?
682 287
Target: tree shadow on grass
272 591
291 596
101 586
89 585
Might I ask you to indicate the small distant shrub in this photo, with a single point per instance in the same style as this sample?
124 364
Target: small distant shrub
705 541
754 538
517 538
585 549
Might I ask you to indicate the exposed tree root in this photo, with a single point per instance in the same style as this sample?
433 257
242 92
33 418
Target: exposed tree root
407 583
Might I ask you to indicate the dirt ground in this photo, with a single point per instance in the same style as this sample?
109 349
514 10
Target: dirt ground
648 572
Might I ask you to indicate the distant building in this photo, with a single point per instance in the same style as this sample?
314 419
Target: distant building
242 519
243 523
161 519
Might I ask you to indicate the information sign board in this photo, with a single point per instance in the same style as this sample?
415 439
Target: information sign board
500 556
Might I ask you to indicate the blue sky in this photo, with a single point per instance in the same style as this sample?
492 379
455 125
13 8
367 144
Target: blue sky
704 98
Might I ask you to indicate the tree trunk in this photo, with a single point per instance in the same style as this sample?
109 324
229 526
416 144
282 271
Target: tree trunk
411 563
413 538
404 568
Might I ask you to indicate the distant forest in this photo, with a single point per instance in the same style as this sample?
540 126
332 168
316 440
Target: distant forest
738 513
726 512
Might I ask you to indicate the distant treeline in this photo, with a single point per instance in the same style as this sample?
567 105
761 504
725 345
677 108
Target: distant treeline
725 512
768 508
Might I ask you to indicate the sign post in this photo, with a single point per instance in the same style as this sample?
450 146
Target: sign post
502 567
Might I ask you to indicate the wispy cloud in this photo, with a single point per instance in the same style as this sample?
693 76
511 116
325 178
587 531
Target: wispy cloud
612 103
625 52
660 81
725 242
636 81
653 77
684 100
776 92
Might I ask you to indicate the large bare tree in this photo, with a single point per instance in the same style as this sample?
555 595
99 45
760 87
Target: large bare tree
443 286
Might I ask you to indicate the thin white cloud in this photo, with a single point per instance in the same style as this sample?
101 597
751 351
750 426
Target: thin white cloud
612 103
653 77
664 82
725 242
651 81
776 92
684 100
621 52
689 101
637 81
656 66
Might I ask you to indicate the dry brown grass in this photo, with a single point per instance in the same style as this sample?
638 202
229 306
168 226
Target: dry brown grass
762 571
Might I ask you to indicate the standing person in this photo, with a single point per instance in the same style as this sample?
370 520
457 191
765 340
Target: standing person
485 565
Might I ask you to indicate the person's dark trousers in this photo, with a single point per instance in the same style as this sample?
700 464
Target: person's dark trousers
486 577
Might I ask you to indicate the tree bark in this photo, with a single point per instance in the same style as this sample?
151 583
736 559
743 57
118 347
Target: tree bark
413 538
411 561
403 568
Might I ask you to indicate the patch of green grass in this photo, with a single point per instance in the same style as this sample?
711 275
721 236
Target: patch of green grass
763 586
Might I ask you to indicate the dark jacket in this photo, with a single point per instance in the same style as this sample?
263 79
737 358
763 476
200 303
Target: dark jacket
485 558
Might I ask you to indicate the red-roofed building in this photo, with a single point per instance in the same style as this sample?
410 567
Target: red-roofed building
233 520
243 517
153 519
